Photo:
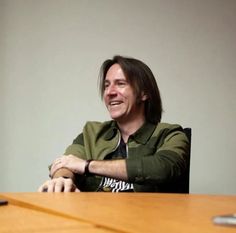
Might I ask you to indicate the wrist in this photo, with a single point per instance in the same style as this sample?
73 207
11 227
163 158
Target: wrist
86 168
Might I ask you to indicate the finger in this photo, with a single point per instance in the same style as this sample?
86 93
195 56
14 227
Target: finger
50 186
44 187
41 188
58 158
54 168
58 161
77 190
69 185
61 159
59 185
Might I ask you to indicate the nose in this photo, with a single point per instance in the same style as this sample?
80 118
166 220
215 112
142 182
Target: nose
110 90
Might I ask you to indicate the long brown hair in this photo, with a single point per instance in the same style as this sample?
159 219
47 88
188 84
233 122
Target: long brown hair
141 78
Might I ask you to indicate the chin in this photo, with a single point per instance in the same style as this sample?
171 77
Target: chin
115 116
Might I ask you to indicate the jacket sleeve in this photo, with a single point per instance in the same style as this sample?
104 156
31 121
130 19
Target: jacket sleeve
167 162
77 148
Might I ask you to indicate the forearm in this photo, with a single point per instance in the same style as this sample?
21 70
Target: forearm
110 168
161 168
70 165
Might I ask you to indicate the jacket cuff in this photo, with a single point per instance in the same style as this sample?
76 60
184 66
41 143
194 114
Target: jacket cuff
134 170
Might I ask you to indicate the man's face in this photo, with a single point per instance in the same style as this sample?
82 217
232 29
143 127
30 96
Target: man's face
119 96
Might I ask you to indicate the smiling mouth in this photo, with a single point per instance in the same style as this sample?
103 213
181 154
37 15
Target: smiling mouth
114 103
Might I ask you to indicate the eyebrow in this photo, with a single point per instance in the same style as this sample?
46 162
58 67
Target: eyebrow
117 80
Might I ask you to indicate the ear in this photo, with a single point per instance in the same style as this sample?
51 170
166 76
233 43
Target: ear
144 96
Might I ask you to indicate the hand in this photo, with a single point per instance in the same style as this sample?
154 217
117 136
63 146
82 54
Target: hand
59 184
71 162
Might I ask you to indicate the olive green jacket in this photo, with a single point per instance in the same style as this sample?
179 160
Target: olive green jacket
157 158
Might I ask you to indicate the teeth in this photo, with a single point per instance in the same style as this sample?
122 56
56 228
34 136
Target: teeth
114 103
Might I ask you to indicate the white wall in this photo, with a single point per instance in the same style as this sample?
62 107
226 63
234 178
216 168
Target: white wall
50 55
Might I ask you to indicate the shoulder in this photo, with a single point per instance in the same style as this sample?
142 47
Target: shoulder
93 130
167 130
168 127
171 133
96 125
98 128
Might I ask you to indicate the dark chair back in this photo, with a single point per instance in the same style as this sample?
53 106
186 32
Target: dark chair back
188 132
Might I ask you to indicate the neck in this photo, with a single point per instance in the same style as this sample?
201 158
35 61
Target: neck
127 128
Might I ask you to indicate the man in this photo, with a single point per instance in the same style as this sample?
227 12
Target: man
133 151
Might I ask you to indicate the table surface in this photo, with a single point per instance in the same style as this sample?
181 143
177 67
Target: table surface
121 212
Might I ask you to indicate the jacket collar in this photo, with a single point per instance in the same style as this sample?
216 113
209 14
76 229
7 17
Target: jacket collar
112 131
141 135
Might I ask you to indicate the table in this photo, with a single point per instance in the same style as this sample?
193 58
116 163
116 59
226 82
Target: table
16 219
125 212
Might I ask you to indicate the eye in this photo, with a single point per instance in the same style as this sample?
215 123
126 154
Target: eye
106 85
121 83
